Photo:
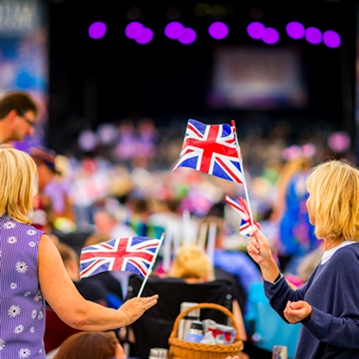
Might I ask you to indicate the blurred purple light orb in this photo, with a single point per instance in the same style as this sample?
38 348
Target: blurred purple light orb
188 36
256 30
218 30
97 30
145 37
313 35
271 36
174 30
331 39
134 29
295 30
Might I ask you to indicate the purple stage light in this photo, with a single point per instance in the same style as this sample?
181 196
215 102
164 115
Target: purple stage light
145 37
218 30
295 30
313 35
271 36
188 36
134 29
97 30
256 30
331 39
174 30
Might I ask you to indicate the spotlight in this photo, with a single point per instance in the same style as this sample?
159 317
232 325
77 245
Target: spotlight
174 30
313 35
256 30
145 37
331 39
97 30
271 36
295 30
218 30
134 29
188 36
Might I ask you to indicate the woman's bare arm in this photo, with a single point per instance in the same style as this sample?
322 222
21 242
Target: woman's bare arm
63 297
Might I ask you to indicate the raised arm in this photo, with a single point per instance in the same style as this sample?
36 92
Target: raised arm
258 248
63 297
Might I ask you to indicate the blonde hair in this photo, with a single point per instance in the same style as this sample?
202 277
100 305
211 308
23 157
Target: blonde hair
334 200
191 262
17 174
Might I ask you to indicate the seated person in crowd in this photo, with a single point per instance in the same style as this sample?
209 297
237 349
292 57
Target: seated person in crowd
90 288
94 345
192 264
237 263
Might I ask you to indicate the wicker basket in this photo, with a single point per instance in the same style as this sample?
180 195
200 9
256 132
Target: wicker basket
181 349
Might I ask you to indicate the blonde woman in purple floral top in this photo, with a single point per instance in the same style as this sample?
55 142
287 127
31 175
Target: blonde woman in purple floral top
31 269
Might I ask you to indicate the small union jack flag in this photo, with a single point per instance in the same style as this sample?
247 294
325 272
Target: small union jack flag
241 207
211 149
134 254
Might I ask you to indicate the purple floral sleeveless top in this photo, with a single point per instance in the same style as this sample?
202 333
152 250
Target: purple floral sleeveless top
22 306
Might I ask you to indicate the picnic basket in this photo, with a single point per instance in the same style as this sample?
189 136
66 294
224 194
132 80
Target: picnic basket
181 349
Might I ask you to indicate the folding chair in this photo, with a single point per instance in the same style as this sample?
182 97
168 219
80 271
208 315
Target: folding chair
154 327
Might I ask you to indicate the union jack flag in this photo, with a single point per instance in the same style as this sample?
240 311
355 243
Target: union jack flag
241 207
211 149
134 254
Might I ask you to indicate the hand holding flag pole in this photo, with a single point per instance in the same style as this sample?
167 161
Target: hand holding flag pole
244 179
151 266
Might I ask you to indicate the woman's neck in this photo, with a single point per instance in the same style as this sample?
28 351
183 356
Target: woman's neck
331 243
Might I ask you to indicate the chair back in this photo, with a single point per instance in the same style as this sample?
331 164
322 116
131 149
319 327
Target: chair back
154 328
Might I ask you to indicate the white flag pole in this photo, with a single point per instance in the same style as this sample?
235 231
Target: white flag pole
212 234
151 266
244 178
202 236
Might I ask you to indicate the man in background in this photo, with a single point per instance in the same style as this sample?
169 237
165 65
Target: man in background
18 113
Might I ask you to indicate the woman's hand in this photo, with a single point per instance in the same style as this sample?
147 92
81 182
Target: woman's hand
295 312
135 307
258 248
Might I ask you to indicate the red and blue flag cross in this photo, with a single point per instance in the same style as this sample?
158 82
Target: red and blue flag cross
210 147
118 255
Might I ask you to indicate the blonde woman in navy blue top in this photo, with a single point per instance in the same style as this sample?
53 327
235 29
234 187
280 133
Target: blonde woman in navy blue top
31 270
328 304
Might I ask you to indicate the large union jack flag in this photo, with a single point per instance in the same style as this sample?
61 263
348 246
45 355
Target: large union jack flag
134 254
211 149
241 207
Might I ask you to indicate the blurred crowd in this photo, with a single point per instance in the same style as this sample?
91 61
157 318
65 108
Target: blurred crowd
118 181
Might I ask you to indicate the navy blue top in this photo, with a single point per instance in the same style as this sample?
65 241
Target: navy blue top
333 293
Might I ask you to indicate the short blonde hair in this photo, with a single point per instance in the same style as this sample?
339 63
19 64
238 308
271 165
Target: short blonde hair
17 174
334 200
191 262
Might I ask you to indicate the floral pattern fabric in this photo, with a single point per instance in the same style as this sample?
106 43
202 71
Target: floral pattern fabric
22 306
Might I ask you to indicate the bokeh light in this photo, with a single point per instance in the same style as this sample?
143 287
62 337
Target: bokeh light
188 36
256 30
331 39
218 30
339 141
97 30
270 36
145 37
134 29
174 30
295 30
313 35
